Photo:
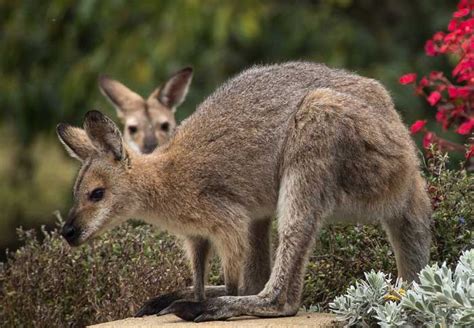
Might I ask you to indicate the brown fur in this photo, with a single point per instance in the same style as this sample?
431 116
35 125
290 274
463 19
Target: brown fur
308 143
148 122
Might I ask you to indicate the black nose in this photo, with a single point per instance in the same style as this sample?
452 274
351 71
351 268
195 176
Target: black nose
70 233
149 148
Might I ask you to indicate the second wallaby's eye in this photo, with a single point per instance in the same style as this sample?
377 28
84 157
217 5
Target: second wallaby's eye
132 129
165 126
97 194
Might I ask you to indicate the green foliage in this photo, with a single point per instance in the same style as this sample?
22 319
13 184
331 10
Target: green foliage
452 194
48 284
441 299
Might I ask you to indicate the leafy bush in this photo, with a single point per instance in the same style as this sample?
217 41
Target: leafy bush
452 197
441 299
48 284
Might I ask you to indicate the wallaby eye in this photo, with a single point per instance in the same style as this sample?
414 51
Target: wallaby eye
97 194
132 129
165 126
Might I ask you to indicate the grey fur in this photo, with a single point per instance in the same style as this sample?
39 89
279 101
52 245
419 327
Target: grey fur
311 144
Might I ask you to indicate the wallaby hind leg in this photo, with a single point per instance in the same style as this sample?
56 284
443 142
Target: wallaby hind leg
410 235
197 250
258 262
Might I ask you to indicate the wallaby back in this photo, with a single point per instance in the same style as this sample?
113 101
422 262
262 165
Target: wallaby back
243 126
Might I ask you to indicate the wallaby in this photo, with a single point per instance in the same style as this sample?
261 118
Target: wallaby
147 123
307 143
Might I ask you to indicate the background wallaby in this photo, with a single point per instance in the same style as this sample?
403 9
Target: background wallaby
148 123
308 143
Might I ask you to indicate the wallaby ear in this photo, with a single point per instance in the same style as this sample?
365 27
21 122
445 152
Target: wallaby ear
118 94
104 134
173 92
76 141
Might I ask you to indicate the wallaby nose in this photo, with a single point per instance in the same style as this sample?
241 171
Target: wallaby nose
149 146
70 233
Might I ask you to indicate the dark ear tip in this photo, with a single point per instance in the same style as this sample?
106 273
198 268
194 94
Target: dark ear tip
94 115
61 127
187 70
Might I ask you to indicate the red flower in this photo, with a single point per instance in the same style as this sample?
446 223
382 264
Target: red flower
424 82
466 127
438 36
442 118
435 75
428 139
461 13
452 25
433 98
458 92
453 97
408 78
430 48
417 126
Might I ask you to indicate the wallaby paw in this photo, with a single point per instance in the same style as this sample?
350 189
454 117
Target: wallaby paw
208 310
186 310
156 304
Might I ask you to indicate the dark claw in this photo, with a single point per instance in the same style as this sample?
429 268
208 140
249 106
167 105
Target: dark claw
210 317
156 304
186 310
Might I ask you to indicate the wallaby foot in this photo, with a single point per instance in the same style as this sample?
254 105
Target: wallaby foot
156 304
223 308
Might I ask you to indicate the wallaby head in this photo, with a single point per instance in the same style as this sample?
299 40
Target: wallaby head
149 122
102 197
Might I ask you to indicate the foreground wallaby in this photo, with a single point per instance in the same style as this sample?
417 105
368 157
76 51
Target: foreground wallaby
148 123
307 143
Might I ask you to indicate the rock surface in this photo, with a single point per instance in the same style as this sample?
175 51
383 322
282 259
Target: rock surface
303 319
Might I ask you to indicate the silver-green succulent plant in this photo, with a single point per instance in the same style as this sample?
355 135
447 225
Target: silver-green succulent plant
442 298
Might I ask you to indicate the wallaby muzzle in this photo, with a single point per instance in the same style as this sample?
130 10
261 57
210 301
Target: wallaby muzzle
71 232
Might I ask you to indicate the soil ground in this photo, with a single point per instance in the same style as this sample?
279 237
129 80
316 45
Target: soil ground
302 319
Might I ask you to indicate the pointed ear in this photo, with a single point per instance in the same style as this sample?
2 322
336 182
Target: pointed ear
173 92
121 97
104 134
76 141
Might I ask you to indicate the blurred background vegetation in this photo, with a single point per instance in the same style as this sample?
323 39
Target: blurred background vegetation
53 51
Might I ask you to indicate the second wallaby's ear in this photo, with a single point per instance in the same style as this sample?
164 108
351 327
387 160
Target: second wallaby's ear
173 92
76 141
104 134
118 94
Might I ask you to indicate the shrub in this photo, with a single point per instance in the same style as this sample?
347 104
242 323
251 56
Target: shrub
452 197
48 284
441 299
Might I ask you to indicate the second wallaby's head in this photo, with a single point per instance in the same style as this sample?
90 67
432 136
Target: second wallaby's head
102 192
149 122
